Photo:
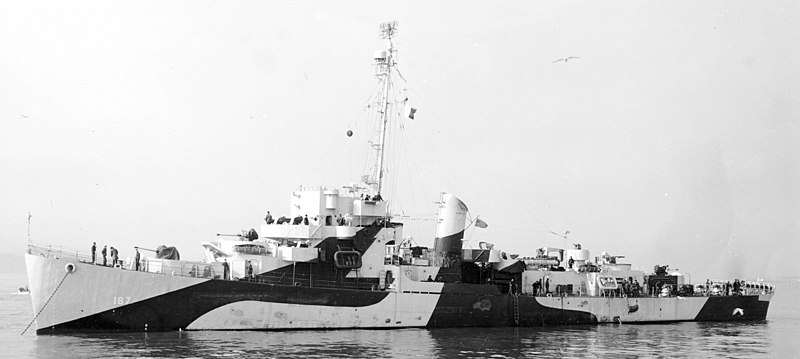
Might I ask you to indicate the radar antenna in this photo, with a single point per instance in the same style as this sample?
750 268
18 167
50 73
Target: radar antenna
388 30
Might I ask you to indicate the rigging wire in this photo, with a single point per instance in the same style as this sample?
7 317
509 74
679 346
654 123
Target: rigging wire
404 159
375 124
412 159
394 166
337 141
418 97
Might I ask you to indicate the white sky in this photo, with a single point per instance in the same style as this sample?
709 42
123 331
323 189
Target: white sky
673 139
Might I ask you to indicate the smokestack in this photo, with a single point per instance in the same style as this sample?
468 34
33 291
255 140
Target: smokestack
449 231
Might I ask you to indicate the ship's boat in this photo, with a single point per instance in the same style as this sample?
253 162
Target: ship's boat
340 260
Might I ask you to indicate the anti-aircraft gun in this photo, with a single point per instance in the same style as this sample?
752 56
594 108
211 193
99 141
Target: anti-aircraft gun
660 278
661 270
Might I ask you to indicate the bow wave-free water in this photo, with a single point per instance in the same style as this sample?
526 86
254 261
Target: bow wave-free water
339 260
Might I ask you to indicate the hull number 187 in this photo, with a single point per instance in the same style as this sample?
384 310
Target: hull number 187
121 300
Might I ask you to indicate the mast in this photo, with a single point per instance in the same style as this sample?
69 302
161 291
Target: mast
384 62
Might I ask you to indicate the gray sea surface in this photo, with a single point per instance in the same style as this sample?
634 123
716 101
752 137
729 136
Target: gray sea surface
777 337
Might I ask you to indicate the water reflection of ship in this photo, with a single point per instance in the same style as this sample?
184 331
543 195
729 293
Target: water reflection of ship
409 342
750 339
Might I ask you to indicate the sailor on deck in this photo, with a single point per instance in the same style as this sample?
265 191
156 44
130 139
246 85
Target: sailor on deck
226 269
250 270
137 258
114 256
547 285
103 252
512 287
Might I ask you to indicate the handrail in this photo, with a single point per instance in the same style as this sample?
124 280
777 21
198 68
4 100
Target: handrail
165 266
304 280
59 252
197 270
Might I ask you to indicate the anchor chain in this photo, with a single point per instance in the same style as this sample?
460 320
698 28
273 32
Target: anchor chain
45 303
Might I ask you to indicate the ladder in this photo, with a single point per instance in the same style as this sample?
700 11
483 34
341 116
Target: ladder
515 303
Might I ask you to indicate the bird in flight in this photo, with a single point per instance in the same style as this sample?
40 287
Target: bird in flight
566 59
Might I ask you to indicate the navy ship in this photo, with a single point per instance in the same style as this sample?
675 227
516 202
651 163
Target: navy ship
340 260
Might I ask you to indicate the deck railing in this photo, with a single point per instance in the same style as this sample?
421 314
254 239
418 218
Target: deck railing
62 252
305 280
151 265
214 271
204 270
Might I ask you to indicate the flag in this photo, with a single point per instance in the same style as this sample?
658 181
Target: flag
480 223
410 111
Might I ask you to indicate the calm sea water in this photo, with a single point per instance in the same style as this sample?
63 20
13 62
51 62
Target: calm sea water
777 337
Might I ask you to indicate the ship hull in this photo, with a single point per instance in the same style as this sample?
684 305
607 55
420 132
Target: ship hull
102 299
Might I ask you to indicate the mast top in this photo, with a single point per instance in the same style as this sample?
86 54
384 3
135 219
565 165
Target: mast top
388 30
384 61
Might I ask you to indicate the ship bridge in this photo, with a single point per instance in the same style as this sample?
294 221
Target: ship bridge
320 212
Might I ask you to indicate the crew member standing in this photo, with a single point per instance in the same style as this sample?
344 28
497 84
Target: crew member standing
226 270
103 252
114 257
138 257
546 285
94 251
250 270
